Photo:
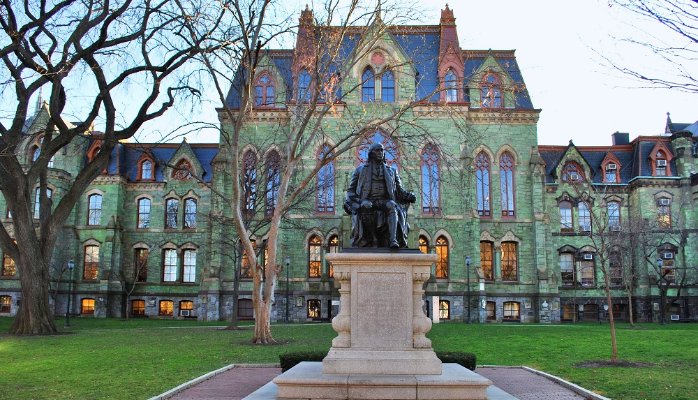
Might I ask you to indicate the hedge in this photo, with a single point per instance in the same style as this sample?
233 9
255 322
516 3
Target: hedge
289 360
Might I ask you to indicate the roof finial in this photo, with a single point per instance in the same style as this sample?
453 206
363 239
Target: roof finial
667 127
39 101
379 9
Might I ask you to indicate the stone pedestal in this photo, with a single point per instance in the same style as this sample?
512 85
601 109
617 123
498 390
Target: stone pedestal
381 351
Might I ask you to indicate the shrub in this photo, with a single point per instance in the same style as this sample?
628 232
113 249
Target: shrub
467 360
290 360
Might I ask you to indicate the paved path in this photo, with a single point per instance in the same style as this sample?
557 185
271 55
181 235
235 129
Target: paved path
238 382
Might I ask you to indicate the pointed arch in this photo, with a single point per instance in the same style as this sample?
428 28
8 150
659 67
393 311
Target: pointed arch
491 91
442 249
315 256
303 93
325 190
264 90
506 180
431 179
249 181
451 86
483 167
272 166
368 85
389 144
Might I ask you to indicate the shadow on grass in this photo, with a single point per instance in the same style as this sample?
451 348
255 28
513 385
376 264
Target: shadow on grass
609 363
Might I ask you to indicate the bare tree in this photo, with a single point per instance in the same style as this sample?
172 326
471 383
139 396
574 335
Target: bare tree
84 55
675 43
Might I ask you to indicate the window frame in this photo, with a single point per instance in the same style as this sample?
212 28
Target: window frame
387 87
510 263
487 263
188 265
430 160
664 219
566 218
483 166
314 257
87 306
568 277
325 182
142 169
265 98
508 310
507 168
368 85
9 267
5 304
272 182
140 264
190 213
171 213
142 215
491 91
170 271
314 306
613 216
332 247
442 249
451 86
138 311
164 310
249 182
94 211
423 244
584 217
37 201
444 309
304 86
90 262
586 273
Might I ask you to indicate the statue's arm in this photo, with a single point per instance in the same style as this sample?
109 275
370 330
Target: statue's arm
402 195
352 201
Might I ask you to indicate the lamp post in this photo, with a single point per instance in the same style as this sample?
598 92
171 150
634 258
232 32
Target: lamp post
71 266
467 277
287 265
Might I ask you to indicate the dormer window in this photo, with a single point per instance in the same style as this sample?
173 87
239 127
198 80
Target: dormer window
147 170
660 164
660 160
182 171
264 90
572 173
491 91
450 84
611 173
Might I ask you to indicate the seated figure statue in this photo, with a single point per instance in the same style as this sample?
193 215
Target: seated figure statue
377 203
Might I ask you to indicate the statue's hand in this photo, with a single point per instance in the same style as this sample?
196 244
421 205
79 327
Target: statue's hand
411 198
366 205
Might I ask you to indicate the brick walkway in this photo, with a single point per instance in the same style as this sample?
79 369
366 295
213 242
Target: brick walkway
238 382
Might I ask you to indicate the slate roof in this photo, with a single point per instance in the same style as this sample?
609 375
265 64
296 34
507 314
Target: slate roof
126 155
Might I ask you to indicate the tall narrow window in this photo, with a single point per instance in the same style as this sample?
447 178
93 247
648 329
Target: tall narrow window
94 209
491 92
506 178
567 269
611 172
491 310
510 264
566 223
584 216
140 264
325 182
91 263
388 87
189 266
660 161
664 213
451 86
264 91
368 86
143 213
615 269
314 309
482 182
314 257
246 264
36 152
190 213
169 265
613 212
430 179
333 247
487 260
303 87
249 181
442 260
423 244
147 170
9 269
171 211
273 177
587 270
37 201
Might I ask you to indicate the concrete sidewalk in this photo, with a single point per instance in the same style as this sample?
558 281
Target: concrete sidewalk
237 381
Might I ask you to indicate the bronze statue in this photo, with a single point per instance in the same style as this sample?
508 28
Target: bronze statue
377 203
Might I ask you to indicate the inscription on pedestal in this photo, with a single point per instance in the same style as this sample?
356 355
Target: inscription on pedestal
385 320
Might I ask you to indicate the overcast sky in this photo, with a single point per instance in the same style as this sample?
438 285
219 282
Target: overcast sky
557 45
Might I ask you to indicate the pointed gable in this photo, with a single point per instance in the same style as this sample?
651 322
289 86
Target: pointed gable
182 162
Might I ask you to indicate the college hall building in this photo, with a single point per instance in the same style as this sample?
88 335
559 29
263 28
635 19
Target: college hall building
516 224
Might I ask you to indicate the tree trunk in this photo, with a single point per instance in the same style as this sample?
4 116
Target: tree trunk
34 316
631 318
262 325
612 323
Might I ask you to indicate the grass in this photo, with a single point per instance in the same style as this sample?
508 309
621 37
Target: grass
137 359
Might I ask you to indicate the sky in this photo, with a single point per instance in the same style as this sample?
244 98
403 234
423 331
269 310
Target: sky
558 45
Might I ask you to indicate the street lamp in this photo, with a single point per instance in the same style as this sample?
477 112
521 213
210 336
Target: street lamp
287 265
467 276
71 267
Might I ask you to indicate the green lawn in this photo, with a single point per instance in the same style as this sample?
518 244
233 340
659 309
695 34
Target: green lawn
136 359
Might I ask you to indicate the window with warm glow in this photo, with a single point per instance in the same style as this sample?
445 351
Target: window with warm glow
314 257
137 308
91 263
166 308
9 269
512 311
333 247
510 265
487 260
444 309
314 309
423 244
87 306
442 250
5 304
664 213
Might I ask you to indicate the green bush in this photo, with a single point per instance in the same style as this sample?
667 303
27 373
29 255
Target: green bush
289 360
467 360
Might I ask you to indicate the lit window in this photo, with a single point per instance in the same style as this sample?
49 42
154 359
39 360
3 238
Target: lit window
368 86
9 269
567 269
587 270
37 201
510 266
388 87
314 257
182 171
613 212
487 260
333 247
249 182
491 310
442 260
450 83
147 170
512 311
140 264
389 146
584 217
273 177
246 265
190 213
169 265
186 308
566 223
138 308
482 182
430 179
166 308
325 182
506 178
94 209
664 213
5 304
314 309
444 309
264 91
303 87
171 211
87 306
491 92
189 266
143 213
91 263
423 244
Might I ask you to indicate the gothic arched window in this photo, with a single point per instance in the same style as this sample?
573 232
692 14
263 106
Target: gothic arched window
273 180
430 179
450 84
325 182
249 181
303 86
314 257
442 260
388 87
391 152
506 179
264 91
482 184
368 86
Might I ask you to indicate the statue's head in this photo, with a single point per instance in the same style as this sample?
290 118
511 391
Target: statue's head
376 152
